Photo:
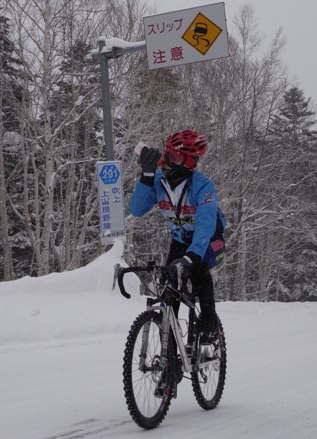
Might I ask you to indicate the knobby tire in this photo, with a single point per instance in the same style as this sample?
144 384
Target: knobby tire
208 383
146 409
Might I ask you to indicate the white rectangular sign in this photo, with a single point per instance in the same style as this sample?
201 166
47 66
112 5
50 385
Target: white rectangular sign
111 201
187 36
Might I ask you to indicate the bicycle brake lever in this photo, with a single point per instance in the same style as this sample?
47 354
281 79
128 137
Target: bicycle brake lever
115 275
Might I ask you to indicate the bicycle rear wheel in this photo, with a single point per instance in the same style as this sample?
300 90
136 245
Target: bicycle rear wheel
208 381
142 375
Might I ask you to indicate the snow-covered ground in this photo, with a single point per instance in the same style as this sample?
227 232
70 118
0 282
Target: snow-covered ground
61 346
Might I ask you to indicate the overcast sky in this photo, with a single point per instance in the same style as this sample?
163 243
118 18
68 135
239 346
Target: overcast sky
298 20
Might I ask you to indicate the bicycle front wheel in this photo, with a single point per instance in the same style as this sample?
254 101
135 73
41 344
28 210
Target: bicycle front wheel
209 380
148 389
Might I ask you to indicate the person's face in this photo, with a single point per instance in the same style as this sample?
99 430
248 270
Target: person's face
176 160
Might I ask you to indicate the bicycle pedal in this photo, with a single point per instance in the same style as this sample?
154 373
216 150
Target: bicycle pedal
174 391
159 392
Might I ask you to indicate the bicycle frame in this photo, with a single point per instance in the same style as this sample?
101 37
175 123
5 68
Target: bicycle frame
160 350
169 320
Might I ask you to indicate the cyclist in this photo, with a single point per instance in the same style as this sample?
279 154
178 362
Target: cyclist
188 201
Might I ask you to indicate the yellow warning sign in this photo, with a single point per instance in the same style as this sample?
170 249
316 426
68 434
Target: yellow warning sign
202 33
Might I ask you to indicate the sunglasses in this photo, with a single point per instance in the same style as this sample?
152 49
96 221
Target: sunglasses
174 157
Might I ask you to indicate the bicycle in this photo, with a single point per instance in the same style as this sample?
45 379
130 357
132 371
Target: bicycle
158 352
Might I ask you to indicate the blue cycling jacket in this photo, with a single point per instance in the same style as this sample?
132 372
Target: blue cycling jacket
193 220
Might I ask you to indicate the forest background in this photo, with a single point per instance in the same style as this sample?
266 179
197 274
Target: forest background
259 125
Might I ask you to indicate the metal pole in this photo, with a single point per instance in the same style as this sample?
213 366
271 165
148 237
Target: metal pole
104 56
106 102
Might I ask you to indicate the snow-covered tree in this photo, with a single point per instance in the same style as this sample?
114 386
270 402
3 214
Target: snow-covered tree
10 155
60 126
294 140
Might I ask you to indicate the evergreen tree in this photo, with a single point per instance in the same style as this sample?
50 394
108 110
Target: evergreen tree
14 243
295 140
10 78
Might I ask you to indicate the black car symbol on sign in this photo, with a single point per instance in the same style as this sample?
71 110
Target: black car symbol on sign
201 29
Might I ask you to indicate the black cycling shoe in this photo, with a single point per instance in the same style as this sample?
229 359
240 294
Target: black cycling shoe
178 370
209 337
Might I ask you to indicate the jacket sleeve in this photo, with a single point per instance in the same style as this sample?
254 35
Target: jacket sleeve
206 218
142 200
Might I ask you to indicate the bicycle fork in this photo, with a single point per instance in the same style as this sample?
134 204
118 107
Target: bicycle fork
164 334
145 340
169 321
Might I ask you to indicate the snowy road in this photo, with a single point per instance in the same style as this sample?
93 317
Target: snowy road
61 367
71 389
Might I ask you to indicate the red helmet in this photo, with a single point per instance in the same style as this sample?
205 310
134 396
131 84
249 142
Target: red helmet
184 147
188 142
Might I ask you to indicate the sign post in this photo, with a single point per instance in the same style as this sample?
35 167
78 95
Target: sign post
110 48
186 36
109 174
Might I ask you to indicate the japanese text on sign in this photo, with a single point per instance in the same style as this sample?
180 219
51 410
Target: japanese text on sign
111 206
160 57
159 28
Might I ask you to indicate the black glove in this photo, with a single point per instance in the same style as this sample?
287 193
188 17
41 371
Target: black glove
149 158
179 270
